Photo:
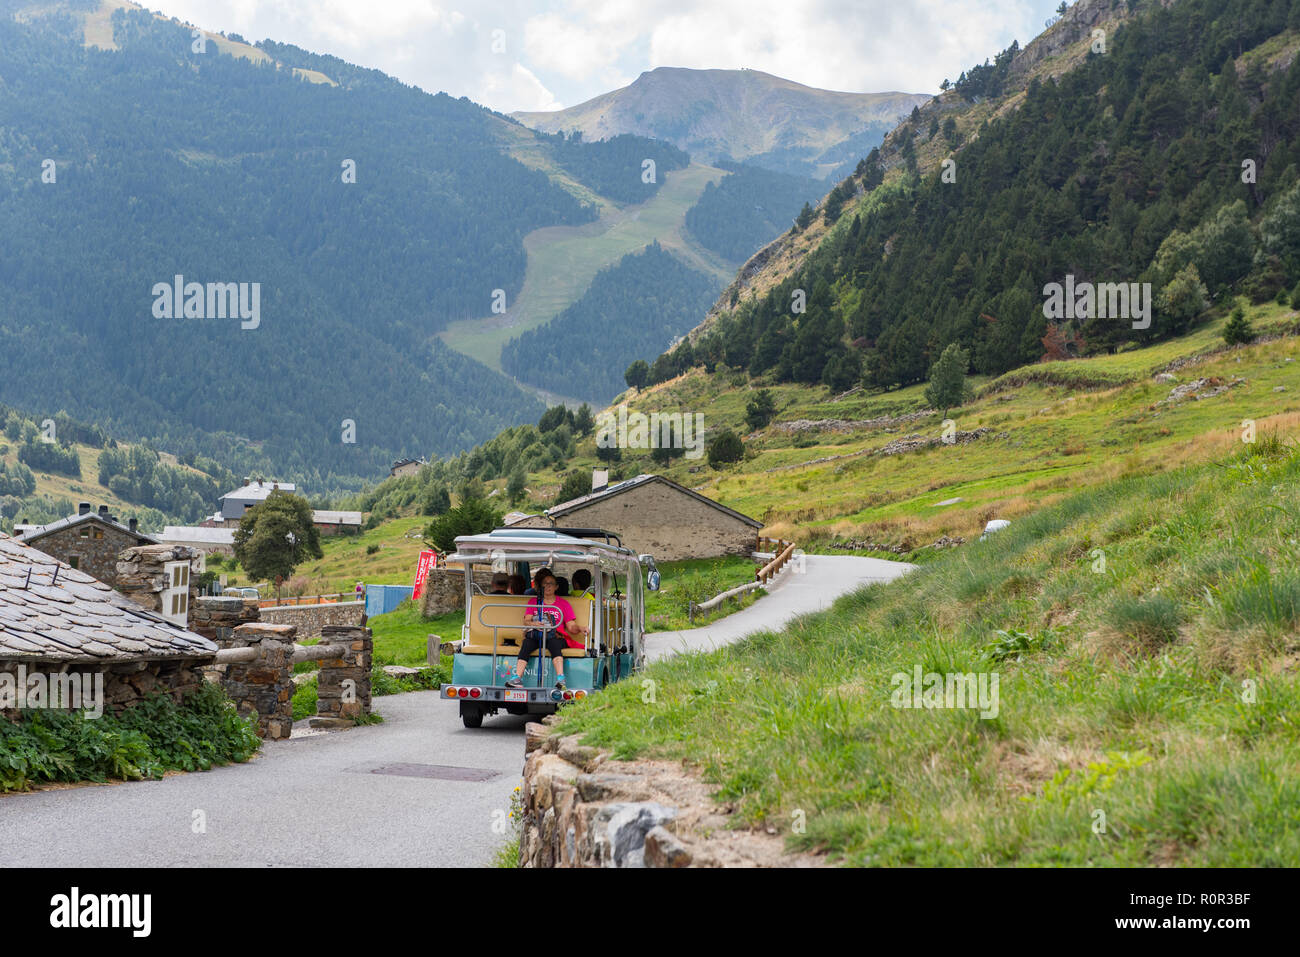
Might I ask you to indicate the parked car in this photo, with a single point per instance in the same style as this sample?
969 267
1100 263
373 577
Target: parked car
246 591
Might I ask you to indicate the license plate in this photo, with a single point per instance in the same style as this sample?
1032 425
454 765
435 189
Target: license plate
517 695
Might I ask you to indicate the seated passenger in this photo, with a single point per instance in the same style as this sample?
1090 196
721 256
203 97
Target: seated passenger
500 584
562 587
552 626
517 584
581 584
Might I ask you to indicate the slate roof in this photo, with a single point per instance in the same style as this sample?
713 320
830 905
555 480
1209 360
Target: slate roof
70 616
617 489
258 491
326 517
33 532
197 533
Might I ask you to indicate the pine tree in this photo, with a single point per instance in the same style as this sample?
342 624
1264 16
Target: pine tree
947 386
1238 330
515 487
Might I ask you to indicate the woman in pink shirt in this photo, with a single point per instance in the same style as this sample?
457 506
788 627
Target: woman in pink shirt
553 626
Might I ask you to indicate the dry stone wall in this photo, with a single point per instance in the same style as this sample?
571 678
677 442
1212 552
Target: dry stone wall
444 590
582 809
311 620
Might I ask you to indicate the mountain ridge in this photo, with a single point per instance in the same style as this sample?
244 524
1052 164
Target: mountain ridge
739 115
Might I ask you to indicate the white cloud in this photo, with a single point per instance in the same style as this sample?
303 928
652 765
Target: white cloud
572 50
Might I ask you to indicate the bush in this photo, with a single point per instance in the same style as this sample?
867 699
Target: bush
155 736
372 549
760 410
724 448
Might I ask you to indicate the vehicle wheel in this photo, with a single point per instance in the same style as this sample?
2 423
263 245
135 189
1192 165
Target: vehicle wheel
471 716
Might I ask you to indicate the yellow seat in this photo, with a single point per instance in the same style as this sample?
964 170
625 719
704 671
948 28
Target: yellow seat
507 613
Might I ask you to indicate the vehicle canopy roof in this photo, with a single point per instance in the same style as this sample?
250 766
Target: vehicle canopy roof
540 545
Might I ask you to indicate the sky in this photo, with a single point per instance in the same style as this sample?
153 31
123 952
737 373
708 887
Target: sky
549 54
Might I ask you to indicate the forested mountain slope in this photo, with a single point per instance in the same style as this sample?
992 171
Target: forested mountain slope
369 213
1169 156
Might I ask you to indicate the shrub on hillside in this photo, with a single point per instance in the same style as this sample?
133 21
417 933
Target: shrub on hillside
724 448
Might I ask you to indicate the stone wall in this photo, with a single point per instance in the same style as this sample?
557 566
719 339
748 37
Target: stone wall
216 618
124 685
310 620
444 590
97 557
657 519
142 574
264 686
583 809
343 684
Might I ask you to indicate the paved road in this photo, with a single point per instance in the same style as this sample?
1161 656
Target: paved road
823 579
316 801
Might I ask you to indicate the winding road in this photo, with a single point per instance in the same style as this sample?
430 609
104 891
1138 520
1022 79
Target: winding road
417 790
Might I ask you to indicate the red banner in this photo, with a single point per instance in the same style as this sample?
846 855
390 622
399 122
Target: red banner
428 560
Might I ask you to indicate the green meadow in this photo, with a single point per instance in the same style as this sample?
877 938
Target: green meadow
1143 632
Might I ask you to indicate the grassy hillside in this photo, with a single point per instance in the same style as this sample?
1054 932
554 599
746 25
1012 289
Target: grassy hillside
1052 428
1143 633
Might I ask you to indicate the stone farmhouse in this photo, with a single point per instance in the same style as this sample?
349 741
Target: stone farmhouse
59 622
204 540
88 541
406 467
655 515
336 523
235 504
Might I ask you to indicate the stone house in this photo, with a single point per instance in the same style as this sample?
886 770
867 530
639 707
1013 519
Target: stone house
235 504
337 523
88 541
406 467
655 515
203 539
61 627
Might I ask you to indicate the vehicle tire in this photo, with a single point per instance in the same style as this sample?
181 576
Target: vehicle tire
471 715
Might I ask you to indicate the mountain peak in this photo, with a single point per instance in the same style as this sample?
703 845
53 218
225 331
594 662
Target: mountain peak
749 115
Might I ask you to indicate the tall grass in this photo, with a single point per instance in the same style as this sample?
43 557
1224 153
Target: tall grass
1143 633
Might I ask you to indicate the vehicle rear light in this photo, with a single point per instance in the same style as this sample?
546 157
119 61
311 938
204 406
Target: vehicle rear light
462 692
580 694
451 692
568 696
555 696
475 692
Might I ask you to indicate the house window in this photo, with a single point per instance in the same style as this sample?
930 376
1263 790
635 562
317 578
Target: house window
176 597
85 533
74 561
97 534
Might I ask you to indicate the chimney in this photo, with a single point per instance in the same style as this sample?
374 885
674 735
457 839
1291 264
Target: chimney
132 524
245 479
599 479
83 508
103 511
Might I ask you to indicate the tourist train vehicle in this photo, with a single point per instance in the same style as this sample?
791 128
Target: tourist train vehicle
493 631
